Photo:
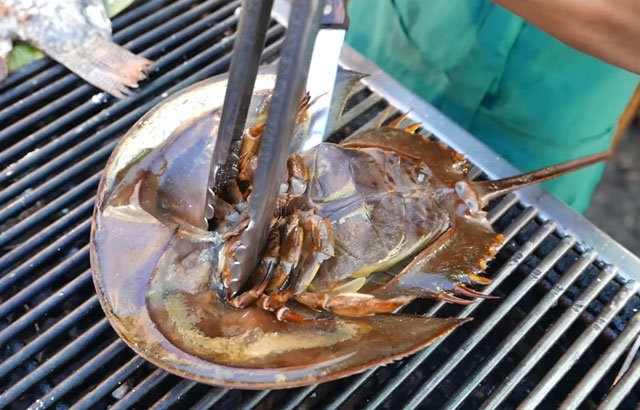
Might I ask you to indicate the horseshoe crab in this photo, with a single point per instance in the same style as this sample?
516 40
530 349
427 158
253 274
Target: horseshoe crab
321 304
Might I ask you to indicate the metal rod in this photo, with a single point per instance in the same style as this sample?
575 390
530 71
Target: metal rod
513 262
283 111
628 360
54 333
598 370
44 283
139 390
523 327
65 355
108 385
173 395
80 374
245 60
212 397
577 349
45 306
507 202
362 107
550 337
623 388
492 321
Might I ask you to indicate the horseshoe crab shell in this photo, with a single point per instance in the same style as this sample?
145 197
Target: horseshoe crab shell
154 265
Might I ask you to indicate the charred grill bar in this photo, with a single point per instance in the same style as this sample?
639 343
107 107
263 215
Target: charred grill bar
558 335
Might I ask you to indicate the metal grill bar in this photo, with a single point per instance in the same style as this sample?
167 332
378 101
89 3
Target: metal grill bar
362 107
63 356
140 390
532 318
21 201
173 395
613 353
107 386
47 213
296 399
40 310
498 314
24 269
48 336
622 389
32 119
31 291
12 257
8 88
67 122
502 207
211 398
367 125
171 39
80 374
356 382
253 401
538 351
576 350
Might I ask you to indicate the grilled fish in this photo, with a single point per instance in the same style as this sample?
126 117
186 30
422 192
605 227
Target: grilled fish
76 33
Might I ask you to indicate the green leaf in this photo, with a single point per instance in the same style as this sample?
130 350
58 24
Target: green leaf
23 54
114 7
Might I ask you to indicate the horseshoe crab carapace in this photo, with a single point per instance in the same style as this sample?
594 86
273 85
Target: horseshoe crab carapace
362 228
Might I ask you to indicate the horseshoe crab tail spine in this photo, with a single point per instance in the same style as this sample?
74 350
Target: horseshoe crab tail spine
489 190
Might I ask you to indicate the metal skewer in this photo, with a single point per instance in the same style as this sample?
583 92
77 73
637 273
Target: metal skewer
293 70
245 60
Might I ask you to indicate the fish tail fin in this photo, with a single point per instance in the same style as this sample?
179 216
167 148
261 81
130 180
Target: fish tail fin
105 65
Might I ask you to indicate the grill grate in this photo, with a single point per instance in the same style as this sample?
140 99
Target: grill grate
557 336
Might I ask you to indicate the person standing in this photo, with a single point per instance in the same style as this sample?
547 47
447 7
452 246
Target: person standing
530 97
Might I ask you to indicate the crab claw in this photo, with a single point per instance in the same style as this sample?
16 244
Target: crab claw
449 298
480 280
462 290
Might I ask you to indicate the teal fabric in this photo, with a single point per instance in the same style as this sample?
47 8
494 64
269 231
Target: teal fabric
530 97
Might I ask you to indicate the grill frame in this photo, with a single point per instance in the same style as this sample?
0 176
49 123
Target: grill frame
535 223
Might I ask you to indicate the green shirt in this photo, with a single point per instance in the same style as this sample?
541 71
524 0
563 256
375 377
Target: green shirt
528 96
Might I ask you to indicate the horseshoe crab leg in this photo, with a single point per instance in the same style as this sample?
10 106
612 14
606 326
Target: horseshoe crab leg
292 75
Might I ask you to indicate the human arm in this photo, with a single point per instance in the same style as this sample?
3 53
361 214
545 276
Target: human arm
606 29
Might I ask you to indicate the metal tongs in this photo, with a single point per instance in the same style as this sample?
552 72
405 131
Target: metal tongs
316 28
